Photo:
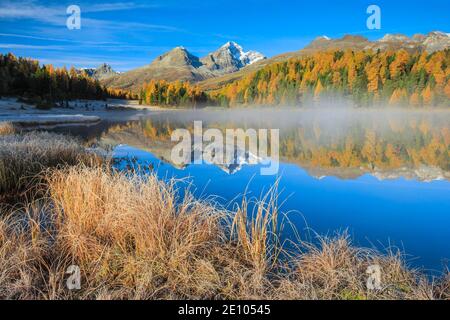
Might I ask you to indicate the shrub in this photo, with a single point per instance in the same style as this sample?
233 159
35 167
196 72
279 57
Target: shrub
6 128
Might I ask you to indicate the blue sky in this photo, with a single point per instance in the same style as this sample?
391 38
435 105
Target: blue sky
131 34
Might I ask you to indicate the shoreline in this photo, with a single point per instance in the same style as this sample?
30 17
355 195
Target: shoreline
78 112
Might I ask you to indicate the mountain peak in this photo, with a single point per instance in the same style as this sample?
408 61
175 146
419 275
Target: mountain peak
178 56
354 38
102 72
348 41
104 67
436 40
323 38
179 48
395 38
232 44
439 34
230 58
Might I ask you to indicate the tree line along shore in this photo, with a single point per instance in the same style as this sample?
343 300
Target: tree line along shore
362 78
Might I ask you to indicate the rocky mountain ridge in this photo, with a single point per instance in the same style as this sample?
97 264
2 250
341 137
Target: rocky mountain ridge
180 64
433 41
230 62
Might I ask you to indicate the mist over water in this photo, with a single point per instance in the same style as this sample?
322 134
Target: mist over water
282 116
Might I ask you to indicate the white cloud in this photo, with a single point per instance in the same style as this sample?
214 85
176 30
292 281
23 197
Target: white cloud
30 10
56 15
117 6
31 47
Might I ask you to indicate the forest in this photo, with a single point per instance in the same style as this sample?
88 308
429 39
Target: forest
395 78
46 85
163 93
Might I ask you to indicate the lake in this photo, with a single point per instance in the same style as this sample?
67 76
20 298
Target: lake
382 176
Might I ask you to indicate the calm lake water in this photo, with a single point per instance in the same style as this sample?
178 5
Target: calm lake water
383 176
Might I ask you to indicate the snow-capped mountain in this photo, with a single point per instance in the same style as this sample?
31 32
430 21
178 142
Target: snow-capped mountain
180 64
238 53
230 58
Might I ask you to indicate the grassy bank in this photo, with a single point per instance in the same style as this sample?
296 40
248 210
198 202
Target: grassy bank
25 157
133 239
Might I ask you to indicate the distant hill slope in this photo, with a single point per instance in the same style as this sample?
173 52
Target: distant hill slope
434 41
177 64
336 77
180 64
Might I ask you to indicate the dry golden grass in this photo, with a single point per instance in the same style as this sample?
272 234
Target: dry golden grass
337 270
6 128
133 239
24 157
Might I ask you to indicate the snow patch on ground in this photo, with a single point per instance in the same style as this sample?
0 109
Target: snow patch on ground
28 119
76 111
